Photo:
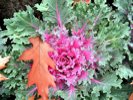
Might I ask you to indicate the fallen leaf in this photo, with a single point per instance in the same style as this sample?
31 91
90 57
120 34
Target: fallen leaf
39 73
87 1
31 98
131 97
2 77
3 61
77 1
131 83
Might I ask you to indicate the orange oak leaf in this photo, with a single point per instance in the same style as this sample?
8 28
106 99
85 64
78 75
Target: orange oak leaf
86 1
39 73
131 97
31 98
3 61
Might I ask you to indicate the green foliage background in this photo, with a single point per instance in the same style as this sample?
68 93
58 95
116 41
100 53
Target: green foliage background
111 33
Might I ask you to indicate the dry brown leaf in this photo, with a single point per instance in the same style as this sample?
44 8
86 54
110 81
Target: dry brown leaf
131 83
2 77
76 1
3 61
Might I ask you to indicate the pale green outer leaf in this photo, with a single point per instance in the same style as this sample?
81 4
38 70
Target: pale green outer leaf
124 72
2 42
20 28
109 80
62 94
42 7
48 9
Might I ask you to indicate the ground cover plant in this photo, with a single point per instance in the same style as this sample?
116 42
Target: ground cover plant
76 50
